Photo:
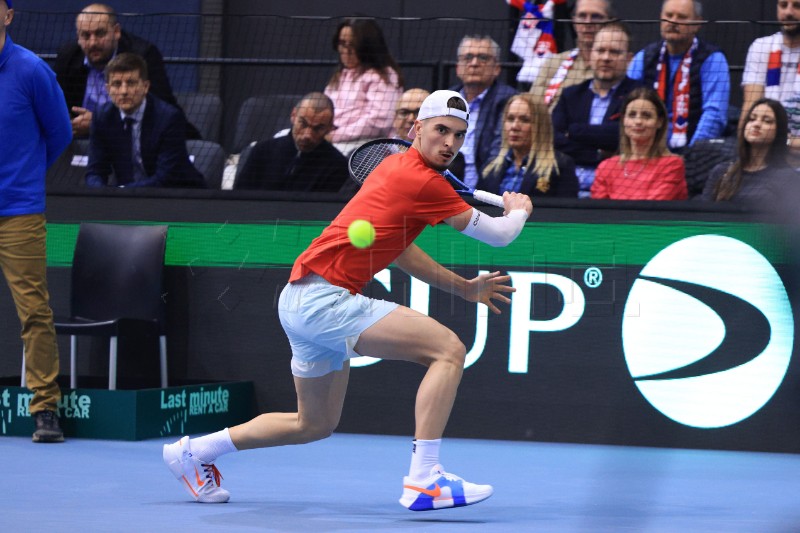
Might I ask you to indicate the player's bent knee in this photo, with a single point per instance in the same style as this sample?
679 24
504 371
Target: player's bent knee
315 432
455 352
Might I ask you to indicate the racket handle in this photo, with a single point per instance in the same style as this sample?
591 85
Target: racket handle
488 198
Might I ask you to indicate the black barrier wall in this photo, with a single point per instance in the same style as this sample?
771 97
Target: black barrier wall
657 325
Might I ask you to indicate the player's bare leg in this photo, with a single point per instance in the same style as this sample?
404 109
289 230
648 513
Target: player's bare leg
319 408
407 335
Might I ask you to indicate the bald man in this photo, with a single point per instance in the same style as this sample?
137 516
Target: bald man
406 111
79 65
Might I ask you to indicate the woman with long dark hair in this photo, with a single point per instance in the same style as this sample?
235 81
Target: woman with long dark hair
645 168
366 85
760 171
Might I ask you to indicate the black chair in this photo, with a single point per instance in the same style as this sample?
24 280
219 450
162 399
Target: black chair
117 290
261 117
204 111
209 159
703 156
69 170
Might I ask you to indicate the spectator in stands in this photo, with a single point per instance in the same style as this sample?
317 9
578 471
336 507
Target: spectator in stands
365 87
760 174
406 111
573 66
137 136
645 169
302 160
528 162
771 69
478 68
79 65
586 118
34 130
405 116
690 75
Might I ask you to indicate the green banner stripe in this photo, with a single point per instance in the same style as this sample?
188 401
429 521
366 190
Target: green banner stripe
278 243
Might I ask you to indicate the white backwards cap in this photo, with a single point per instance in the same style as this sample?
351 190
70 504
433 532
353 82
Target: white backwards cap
435 105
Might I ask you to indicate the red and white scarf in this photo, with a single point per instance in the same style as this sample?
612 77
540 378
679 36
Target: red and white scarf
680 92
561 75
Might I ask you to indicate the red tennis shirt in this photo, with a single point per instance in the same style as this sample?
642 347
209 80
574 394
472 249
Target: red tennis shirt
400 197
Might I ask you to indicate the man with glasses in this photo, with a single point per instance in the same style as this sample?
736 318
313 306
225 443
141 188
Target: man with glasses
478 68
587 117
573 66
406 111
691 76
137 139
300 161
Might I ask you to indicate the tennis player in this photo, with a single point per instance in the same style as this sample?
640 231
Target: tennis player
328 320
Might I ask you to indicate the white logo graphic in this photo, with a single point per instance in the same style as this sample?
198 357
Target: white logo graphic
701 366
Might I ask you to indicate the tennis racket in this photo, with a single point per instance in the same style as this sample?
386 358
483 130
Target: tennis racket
369 155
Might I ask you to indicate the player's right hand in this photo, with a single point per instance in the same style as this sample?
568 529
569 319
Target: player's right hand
516 200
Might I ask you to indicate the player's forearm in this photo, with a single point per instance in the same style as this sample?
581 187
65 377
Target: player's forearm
415 262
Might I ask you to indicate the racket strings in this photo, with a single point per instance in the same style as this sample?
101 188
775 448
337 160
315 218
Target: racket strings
366 158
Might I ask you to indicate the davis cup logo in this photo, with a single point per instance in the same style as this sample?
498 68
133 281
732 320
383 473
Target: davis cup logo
708 331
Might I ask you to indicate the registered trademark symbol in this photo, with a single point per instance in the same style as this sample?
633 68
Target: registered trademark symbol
593 277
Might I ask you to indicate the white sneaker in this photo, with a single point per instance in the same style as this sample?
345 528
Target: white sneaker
200 480
441 490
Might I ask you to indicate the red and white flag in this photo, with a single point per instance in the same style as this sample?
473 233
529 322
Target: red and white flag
534 41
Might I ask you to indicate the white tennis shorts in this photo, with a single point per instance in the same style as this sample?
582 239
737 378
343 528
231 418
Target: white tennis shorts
323 323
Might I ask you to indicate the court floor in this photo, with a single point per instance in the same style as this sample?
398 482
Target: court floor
351 483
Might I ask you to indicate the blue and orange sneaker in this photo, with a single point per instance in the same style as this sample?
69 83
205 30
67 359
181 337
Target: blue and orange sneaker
441 491
201 480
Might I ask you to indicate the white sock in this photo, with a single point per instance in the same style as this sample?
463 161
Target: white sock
424 456
209 447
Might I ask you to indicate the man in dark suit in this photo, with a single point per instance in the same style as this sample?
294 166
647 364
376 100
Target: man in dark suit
79 65
478 68
587 117
137 136
301 160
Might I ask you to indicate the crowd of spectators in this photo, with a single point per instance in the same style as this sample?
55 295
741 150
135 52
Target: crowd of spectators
600 120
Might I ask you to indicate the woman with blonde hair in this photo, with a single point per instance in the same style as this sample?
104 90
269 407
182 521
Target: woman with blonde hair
528 162
645 168
365 86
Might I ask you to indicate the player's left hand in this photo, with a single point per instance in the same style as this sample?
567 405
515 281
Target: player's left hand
487 287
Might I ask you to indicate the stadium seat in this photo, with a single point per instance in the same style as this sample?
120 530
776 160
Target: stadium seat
117 290
704 155
208 158
204 111
69 170
260 117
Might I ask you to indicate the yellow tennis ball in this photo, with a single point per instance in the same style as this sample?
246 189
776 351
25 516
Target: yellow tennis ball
361 233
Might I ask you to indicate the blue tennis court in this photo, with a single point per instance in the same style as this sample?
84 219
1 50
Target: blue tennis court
352 483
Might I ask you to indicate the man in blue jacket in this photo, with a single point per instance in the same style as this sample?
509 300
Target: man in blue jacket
137 136
34 130
690 74
478 68
587 117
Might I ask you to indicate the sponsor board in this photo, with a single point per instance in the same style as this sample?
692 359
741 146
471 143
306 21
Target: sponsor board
688 349
134 414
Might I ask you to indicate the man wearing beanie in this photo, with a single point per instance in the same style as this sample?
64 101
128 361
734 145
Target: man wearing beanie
34 130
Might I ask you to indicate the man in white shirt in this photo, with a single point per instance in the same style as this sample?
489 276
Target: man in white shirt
771 66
